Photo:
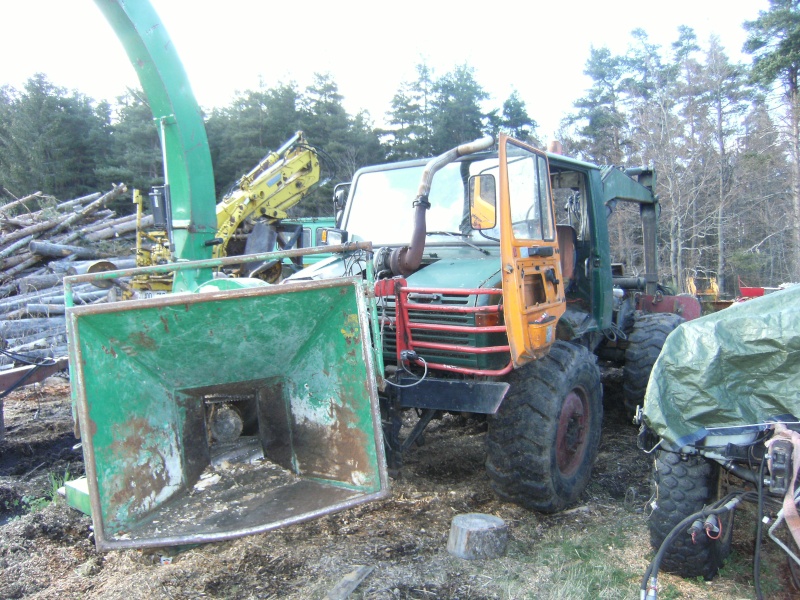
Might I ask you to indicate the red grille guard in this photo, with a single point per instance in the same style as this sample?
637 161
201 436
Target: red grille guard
397 288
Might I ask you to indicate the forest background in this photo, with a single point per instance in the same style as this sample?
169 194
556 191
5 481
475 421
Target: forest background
723 136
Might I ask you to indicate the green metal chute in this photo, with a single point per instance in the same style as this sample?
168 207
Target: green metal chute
187 159
229 407
147 376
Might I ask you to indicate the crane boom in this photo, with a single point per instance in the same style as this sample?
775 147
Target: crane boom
278 182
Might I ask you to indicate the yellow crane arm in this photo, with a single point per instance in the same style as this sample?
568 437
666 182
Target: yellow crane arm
278 182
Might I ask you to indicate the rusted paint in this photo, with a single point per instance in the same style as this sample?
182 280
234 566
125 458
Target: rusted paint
147 469
166 324
687 307
143 340
334 450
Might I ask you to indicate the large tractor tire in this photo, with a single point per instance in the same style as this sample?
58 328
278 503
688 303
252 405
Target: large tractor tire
682 486
542 442
650 331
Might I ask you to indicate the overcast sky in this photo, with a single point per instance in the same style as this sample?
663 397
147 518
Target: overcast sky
536 47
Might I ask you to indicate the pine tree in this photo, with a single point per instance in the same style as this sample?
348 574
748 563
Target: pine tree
410 133
134 155
601 135
516 122
48 140
774 41
457 116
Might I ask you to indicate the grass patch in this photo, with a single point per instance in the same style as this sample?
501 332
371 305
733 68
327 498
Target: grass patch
56 481
574 559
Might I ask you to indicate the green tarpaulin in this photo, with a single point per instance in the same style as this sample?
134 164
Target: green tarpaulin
739 367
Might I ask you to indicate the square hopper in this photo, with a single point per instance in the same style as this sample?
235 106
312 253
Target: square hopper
213 415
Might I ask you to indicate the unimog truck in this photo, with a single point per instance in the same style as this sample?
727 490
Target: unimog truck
496 295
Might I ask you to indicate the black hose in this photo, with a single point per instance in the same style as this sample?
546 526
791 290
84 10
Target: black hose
759 530
717 508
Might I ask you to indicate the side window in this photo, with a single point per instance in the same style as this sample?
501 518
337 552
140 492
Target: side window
529 194
570 199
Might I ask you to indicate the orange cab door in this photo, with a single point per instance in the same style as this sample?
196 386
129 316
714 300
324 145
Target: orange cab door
533 291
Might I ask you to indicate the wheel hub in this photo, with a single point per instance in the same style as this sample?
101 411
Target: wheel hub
572 432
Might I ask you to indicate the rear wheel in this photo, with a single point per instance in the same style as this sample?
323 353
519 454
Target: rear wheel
543 440
650 331
683 485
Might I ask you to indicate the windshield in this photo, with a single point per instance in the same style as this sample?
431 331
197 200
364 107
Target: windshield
380 209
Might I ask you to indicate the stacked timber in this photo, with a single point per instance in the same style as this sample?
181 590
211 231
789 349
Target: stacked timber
43 240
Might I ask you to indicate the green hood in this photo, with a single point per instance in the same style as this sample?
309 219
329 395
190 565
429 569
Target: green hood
459 273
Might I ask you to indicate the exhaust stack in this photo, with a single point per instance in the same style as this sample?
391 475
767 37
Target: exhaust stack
406 260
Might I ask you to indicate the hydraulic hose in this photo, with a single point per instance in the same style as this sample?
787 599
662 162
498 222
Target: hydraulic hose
649 586
759 530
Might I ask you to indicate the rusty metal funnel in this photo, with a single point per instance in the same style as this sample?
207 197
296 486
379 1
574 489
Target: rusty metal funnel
212 415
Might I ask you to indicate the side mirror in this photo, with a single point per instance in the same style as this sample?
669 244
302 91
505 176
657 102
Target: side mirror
340 196
482 201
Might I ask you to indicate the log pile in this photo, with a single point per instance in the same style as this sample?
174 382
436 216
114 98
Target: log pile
41 241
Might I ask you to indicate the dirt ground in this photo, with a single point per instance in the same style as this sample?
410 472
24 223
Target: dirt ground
598 549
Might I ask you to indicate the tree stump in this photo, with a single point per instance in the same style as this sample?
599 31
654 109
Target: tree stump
476 535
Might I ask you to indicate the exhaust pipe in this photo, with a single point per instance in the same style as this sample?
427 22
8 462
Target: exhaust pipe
406 260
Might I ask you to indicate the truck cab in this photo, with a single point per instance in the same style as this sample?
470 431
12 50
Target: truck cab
494 293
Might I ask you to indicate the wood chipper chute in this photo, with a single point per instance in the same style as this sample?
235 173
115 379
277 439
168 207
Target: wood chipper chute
227 407
209 415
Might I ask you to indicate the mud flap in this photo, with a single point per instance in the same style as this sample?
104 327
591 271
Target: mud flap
291 368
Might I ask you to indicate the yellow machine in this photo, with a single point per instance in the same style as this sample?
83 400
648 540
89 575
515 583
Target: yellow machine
273 186
704 286
278 182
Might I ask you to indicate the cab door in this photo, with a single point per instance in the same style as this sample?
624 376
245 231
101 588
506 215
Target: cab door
533 290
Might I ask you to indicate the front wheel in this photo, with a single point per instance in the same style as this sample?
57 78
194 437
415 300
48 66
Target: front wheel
542 442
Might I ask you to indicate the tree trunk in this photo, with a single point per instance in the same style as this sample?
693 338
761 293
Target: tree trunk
5 207
64 250
794 111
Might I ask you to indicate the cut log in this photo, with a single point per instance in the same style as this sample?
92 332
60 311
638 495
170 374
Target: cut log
34 283
118 229
41 343
31 260
21 202
46 334
100 266
69 204
477 535
107 223
62 250
45 309
22 327
13 261
35 229
93 206
9 250
36 354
